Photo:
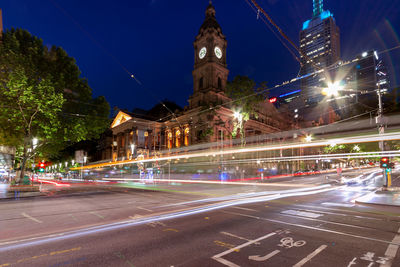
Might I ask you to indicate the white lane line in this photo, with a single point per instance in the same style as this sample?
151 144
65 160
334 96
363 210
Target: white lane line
243 245
338 204
240 208
238 237
226 262
310 256
302 213
144 209
313 228
391 251
96 214
266 257
136 216
30 217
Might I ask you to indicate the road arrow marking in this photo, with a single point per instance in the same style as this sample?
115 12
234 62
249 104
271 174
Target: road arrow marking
266 257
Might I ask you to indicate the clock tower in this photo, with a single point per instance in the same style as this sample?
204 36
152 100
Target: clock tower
210 73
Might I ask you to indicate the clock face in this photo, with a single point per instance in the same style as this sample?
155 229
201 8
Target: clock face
202 53
218 52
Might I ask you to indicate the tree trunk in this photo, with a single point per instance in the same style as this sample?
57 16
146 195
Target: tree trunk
23 163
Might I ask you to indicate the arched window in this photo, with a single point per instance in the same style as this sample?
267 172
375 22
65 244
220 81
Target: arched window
186 141
219 83
201 83
178 138
169 141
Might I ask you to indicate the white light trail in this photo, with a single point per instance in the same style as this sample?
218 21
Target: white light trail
18 244
327 142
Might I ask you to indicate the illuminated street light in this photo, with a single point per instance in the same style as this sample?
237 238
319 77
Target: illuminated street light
237 115
34 142
332 89
308 138
356 148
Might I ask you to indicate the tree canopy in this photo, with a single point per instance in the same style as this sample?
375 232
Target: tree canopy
43 96
246 96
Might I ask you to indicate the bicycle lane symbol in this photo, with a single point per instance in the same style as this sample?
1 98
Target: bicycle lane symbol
286 242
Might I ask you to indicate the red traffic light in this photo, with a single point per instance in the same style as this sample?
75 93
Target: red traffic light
41 165
384 162
273 100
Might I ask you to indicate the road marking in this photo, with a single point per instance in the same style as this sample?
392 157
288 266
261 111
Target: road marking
310 256
96 214
136 216
5 264
155 224
144 209
302 213
226 262
30 217
238 237
170 229
240 208
226 245
266 257
313 228
64 251
231 264
338 204
391 251
73 217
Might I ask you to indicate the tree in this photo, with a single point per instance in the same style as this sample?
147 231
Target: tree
246 96
43 96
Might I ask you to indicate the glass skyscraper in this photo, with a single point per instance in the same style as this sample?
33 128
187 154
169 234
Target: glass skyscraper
320 48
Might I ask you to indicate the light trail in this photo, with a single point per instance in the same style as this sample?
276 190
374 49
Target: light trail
319 143
202 182
18 244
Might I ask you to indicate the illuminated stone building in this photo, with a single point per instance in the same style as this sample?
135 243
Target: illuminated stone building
205 119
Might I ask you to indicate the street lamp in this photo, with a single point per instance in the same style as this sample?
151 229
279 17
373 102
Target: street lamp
237 115
308 138
34 142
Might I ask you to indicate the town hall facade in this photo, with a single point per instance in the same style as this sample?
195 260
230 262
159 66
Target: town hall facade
207 118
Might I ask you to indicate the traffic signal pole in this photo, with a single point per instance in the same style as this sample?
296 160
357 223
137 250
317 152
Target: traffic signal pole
380 121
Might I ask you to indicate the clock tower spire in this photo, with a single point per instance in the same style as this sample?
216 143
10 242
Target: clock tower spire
210 73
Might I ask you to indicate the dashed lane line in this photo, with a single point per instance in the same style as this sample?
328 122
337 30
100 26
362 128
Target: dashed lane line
240 208
141 208
310 256
31 218
96 214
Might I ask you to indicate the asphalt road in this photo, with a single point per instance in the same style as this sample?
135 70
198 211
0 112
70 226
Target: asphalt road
215 225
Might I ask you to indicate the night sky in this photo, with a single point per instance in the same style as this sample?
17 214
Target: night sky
153 40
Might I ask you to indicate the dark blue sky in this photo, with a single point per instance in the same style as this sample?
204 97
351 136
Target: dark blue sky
153 39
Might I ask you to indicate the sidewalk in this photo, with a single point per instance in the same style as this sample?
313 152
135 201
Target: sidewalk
387 198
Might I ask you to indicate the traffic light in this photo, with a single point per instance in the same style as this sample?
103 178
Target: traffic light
385 163
41 166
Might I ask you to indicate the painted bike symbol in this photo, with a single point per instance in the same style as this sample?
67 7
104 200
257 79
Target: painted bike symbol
288 242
